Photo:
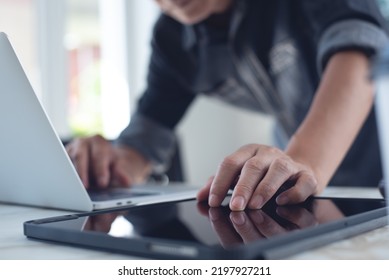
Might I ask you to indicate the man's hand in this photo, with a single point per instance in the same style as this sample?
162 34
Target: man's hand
261 170
100 164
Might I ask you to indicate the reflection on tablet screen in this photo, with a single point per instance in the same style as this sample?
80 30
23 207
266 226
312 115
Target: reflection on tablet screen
197 222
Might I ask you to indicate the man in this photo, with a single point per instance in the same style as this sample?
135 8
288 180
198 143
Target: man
305 62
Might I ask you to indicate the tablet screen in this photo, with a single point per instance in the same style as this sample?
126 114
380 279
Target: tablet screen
197 222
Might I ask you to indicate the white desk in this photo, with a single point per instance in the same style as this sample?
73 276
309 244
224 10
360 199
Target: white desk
14 245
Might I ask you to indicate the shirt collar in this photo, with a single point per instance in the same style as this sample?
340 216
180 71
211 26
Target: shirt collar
192 34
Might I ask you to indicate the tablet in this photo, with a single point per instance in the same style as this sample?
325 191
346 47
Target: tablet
192 230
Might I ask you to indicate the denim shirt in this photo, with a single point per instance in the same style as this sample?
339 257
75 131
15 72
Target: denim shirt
264 56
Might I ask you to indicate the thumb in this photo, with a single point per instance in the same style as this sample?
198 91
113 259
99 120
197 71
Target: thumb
203 193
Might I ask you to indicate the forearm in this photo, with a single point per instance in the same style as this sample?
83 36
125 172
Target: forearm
342 103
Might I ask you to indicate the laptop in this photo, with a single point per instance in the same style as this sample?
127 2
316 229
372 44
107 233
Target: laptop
35 169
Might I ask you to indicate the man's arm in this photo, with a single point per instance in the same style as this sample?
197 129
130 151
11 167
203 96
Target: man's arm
341 105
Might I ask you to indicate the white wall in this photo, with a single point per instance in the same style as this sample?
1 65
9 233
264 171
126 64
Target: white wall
141 16
212 130
17 20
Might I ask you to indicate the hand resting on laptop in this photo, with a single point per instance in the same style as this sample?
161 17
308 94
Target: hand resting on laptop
101 164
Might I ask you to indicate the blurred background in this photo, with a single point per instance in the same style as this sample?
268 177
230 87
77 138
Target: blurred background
87 61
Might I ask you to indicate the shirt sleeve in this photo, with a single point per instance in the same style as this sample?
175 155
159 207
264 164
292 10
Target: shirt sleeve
350 34
164 102
154 141
345 25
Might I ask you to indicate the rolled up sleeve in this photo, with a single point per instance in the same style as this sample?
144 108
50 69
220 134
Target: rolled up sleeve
347 35
154 141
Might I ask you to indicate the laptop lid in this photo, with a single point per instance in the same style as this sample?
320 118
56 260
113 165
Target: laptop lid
34 166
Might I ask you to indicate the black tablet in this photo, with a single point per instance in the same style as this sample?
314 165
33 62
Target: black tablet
191 230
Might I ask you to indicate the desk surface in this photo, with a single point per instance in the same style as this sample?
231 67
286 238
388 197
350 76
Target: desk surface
14 245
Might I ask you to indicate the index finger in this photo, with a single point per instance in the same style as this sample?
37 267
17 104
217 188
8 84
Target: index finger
226 174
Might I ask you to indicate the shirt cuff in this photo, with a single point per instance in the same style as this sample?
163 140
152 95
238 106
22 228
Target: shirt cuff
155 142
350 34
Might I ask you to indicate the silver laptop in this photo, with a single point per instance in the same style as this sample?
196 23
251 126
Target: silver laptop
35 169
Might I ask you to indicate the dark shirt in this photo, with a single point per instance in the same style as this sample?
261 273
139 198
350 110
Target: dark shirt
265 56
